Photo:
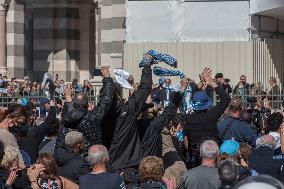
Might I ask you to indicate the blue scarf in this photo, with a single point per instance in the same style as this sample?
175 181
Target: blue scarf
161 72
159 57
186 100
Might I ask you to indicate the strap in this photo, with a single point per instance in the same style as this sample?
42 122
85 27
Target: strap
61 183
226 130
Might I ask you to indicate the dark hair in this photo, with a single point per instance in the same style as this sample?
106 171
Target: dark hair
243 76
14 111
245 116
50 166
118 92
29 108
74 81
228 172
2 150
80 101
274 121
53 130
177 99
245 151
219 75
178 119
235 105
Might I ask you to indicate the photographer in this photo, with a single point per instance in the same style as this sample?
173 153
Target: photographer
259 114
234 127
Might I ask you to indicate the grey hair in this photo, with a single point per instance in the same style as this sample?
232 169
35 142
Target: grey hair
98 154
262 141
209 149
74 137
11 155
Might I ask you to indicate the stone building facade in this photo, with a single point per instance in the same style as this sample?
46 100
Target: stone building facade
64 37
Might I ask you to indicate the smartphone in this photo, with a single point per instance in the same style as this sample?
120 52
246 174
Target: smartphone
97 72
37 111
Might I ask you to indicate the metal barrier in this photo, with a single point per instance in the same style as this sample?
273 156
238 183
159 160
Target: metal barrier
37 96
276 101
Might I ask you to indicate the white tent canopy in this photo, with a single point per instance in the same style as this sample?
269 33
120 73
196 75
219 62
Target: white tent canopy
271 8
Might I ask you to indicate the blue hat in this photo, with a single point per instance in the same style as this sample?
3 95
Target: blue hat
230 147
201 101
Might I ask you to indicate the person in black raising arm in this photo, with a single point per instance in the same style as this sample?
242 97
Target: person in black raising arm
36 134
152 140
125 149
76 116
202 124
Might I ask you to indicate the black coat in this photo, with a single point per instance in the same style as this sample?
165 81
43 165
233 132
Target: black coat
71 165
21 181
89 123
202 125
152 140
125 150
36 134
261 160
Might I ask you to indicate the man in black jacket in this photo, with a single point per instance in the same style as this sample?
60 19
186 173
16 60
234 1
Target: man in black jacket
70 163
152 140
261 159
202 124
36 134
89 123
125 150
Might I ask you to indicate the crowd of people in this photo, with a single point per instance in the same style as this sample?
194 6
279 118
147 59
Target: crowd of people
156 138
26 87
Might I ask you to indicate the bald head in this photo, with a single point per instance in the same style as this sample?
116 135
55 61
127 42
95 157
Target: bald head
98 155
80 101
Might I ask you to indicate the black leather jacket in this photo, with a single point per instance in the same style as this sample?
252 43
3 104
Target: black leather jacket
89 123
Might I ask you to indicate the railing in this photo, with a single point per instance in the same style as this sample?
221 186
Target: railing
276 101
8 99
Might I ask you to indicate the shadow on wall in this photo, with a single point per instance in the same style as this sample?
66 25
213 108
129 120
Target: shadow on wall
62 62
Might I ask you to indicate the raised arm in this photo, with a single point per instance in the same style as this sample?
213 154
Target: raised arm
92 131
161 121
36 134
106 95
51 117
218 110
139 97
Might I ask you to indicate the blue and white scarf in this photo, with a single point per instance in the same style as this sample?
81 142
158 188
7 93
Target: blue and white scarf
162 72
159 57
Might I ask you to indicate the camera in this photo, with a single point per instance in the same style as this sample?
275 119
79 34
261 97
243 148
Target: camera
257 118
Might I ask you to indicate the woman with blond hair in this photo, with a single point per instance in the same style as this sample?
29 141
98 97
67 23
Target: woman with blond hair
11 172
